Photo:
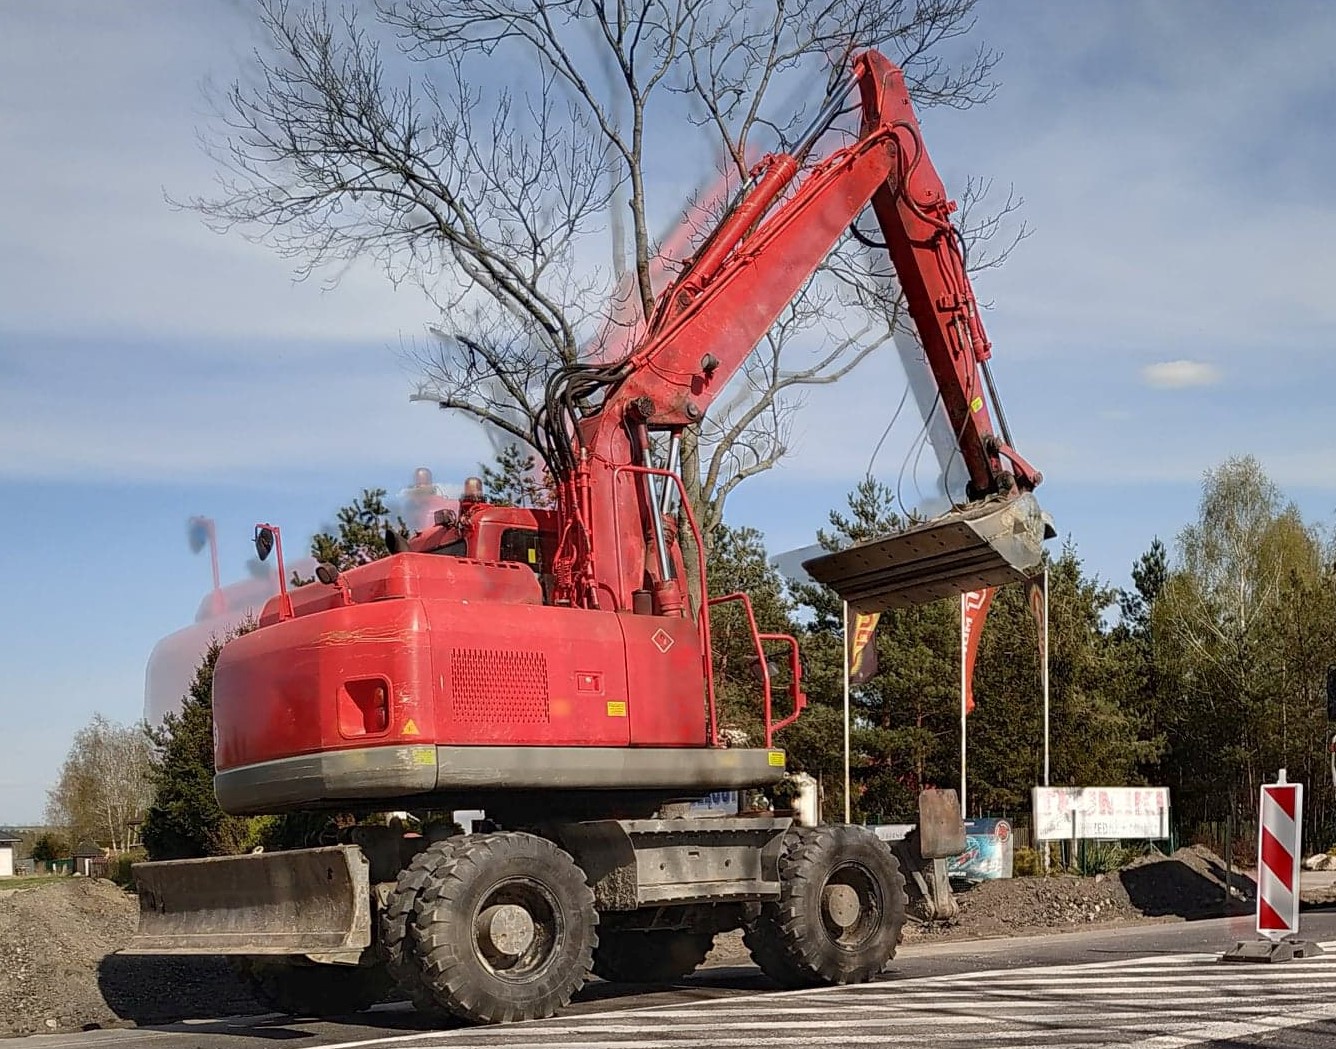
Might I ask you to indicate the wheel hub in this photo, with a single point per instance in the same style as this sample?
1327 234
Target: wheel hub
505 929
840 902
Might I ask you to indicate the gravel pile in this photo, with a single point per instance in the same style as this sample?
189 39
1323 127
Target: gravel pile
1189 884
1023 905
57 972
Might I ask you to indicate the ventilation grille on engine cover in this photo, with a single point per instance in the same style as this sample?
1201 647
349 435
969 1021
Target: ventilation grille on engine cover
498 685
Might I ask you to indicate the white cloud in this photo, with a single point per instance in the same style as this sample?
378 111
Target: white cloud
1174 375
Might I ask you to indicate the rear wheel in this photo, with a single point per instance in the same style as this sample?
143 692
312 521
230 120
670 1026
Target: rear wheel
506 929
650 956
303 988
840 910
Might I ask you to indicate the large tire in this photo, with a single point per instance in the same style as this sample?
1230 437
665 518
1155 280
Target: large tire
303 988
839 913
396 922
512 880
650 956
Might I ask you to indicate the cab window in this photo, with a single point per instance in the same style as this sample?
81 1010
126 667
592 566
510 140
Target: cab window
522 545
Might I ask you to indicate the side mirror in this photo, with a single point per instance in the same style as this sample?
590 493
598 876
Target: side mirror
197 532
1331 693
327 574
264 541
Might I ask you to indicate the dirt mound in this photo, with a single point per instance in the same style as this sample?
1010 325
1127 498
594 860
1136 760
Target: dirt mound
1188 885
52 939
1031 905
57 972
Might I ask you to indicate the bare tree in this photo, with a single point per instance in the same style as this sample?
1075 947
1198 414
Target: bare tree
474 147
104 786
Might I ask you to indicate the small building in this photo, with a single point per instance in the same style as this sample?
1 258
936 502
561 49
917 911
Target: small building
8 847
86 855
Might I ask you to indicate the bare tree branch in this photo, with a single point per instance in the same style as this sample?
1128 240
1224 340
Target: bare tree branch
473 147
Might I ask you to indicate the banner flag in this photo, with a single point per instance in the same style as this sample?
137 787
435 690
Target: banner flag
862 649
973 610
1034 592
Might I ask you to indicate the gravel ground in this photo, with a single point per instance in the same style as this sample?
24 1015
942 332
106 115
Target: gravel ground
58 971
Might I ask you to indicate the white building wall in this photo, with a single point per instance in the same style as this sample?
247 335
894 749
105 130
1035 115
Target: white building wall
6 861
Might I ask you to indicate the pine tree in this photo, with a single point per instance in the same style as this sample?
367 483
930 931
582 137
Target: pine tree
184 820
359 537
1095 738
516 480
50 847
904 734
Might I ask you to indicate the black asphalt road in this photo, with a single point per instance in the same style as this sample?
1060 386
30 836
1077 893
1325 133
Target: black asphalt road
1150 987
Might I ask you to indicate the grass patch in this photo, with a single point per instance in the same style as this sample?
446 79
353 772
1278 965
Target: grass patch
30 882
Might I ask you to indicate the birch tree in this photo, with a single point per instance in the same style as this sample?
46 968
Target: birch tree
1242 634
104 787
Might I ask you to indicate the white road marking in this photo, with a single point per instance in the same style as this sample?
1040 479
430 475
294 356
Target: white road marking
1225 1030
1053 1007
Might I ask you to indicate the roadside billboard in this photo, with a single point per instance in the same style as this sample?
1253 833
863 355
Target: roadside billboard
988 852
1101 813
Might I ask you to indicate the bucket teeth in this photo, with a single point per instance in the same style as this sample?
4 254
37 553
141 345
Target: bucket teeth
989 543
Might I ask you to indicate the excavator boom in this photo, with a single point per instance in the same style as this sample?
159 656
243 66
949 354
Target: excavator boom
710 319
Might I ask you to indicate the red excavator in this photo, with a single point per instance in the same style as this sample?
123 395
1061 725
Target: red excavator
552 668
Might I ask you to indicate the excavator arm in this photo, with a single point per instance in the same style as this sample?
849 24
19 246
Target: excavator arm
710 319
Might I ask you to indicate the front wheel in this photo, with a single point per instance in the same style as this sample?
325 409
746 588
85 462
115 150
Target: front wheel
839 913
505 930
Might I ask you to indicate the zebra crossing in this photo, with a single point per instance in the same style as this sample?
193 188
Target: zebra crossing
1170 1001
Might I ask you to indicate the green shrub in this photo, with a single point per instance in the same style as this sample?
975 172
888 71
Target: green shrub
118 870
1026 863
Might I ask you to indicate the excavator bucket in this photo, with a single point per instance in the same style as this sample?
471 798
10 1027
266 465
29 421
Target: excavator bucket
306 901
992 542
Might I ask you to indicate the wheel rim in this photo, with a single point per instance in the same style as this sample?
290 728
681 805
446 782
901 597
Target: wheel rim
851 906
517 929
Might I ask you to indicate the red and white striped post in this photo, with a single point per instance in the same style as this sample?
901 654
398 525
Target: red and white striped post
1279 841
1279 834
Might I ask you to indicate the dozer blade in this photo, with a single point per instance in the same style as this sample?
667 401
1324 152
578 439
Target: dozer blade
307 901
987 544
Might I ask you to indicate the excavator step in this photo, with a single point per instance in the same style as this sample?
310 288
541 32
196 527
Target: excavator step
989 543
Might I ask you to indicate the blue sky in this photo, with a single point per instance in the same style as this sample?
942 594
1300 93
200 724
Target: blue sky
1175 161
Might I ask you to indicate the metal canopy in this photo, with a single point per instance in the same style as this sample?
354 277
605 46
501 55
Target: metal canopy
987 544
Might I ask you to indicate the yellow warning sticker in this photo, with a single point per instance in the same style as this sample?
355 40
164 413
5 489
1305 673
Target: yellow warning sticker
976 404
777 758
617 709
424 755
410 728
